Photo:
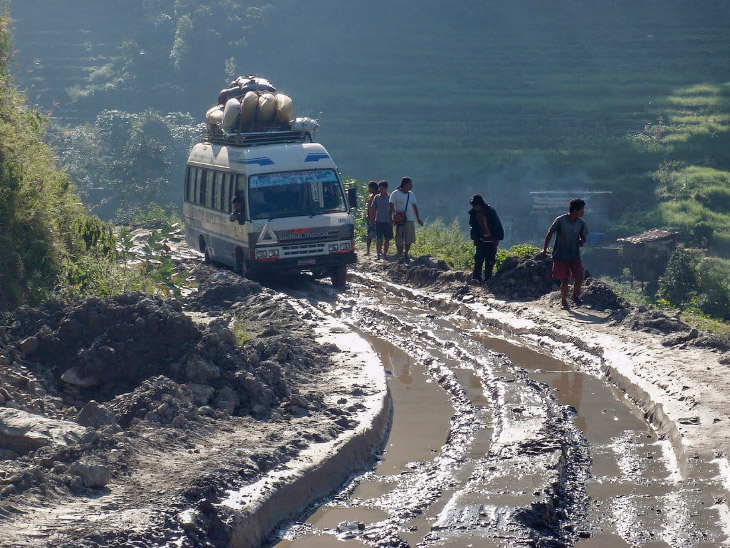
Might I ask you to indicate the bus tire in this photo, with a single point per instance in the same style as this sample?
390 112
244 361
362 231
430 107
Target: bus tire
204 250
338 275
240 263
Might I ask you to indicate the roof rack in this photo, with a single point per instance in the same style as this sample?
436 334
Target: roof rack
215 135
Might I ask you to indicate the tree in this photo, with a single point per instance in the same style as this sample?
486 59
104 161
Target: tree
680 283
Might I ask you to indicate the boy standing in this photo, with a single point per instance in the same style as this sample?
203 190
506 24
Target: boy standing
383 228
571 232
369 217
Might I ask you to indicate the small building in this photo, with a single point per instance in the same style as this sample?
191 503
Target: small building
647 254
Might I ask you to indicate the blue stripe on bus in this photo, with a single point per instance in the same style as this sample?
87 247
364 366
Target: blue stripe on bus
316 156
263 161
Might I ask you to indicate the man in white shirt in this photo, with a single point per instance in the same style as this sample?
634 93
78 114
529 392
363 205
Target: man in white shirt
404 214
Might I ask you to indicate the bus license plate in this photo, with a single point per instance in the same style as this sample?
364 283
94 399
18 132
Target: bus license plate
305 262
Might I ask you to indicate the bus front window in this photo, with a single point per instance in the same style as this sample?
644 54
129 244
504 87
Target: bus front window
294 193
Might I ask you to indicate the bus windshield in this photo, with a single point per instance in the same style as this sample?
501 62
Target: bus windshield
293 193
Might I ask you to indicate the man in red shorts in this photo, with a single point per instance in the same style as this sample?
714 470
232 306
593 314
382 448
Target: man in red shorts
570 234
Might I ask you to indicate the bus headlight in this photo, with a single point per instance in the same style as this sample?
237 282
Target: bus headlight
345 246
273 252
261 253
334 247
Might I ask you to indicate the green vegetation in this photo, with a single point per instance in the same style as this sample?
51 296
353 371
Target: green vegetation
39 211
48 243
240 329
445 242
126 164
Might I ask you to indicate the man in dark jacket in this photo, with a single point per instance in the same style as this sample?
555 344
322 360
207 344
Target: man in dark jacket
486 231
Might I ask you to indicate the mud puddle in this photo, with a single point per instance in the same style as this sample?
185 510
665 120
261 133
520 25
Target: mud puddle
419 427
533 452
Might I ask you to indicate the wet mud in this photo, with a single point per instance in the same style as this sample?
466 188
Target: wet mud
537 452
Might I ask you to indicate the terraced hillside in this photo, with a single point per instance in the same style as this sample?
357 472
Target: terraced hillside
489 97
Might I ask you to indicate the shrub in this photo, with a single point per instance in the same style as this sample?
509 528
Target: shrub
444 242
680 283
519 250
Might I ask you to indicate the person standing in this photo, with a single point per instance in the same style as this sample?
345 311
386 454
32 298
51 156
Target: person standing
403 212
383 228
369 215
486 232
571 233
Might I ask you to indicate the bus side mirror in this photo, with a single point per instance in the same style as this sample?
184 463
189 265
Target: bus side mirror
352 197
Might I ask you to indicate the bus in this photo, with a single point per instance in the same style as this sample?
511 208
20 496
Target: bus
296 213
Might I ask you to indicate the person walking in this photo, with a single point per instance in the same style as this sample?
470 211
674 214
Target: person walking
383 228
403 212
369 215
486 232
571 233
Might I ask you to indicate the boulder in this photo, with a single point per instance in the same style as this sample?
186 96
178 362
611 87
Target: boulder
23 432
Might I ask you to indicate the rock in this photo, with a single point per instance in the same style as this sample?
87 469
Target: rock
75 377
24 432
201 371
29 346
6 454
201 393
350 526
95 415
91 475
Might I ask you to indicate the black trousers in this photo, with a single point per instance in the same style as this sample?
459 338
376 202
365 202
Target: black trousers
485 256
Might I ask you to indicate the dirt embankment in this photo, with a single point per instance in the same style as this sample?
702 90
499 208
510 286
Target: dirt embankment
129 399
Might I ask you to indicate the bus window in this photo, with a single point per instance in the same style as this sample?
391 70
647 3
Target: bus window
215 190
209 188
200 187
241 185
190 184
226 192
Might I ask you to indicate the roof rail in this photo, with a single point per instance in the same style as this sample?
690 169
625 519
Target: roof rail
215 135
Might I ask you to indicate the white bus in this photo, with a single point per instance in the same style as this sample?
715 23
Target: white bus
297 216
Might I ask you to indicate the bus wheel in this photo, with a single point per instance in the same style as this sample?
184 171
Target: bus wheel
204 250
338 275
240 262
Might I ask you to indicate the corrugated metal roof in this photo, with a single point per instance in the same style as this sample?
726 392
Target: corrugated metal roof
651 235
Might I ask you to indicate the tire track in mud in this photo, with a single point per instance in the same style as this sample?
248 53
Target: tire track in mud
533 444
515 469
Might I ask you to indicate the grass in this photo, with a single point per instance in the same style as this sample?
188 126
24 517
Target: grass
240 329
703 323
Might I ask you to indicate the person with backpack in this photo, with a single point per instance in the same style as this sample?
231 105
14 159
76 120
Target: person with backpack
486 232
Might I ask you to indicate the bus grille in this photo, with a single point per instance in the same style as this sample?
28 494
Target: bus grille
303 250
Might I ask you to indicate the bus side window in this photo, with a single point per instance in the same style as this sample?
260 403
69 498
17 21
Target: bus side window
209 188
215 190
241 189
186 192
200 187
226 192
190 184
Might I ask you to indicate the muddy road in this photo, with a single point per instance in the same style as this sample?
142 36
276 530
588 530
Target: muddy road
409 409
494 442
